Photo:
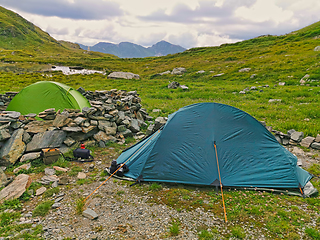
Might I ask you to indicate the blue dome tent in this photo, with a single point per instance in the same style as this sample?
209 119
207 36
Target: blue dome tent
183 151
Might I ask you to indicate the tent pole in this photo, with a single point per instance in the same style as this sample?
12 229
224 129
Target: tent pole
224 207
119 168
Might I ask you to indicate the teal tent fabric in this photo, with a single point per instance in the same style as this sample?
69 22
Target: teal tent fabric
183 151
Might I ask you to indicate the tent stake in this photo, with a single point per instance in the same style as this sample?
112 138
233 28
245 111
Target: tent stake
224 207
119 168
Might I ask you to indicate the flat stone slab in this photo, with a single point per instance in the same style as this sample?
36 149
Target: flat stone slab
81 175
89 213
38 126
49 139
15 189
40 191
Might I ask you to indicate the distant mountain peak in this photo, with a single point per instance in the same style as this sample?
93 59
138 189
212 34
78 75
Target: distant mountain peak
132 50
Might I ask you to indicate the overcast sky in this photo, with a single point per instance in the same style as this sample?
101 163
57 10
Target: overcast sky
189 23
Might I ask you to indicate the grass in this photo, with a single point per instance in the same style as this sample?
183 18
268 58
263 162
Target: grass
42 209
174 228
80 205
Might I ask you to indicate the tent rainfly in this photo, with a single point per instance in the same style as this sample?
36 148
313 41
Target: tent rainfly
183 151
40 96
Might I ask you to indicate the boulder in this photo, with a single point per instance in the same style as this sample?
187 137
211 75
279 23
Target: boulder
49 139
127 133
13 148
173 85
297 136
38 126
178 71
30 156
315 145
16 188
306 142
123 75
4 135
317 138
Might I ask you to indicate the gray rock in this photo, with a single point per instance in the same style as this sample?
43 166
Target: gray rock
63 181
291 131
40 191
81 175
134 126
100 136
245 70
4 135
110 130
274 100
242 92
49 179
49 139
69 141
38 126
60 120
3 178
178 71
85 134
16 125
15 189
24 166
173 85
89 213
306 142
12 114
315 145
49 171
79 120
13 148
317 138
317 48
123 75
56 205
164 73
159 122
121 128
150 129
72 129
183 87
297 136
30 156
218 75
201 71
127 133
26 138
281 83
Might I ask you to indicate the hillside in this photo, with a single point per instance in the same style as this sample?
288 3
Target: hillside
131 50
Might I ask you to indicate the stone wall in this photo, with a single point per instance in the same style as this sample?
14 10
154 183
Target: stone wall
114 116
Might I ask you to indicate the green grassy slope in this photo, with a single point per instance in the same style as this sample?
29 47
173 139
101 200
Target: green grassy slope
272 59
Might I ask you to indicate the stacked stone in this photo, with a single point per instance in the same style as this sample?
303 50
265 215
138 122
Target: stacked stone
5 99
114 116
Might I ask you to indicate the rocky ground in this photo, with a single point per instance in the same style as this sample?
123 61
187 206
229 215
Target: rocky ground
124 212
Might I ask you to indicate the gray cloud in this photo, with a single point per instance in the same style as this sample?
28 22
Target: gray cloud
79 9
206 9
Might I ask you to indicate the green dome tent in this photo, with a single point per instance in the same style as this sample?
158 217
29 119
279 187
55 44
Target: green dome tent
40 96
198 138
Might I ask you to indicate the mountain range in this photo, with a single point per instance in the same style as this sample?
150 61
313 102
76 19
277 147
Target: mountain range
131 50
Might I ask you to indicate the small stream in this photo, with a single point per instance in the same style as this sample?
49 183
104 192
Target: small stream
75 70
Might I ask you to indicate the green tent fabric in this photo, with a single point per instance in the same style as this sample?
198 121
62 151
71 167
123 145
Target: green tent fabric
40 96
183 151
